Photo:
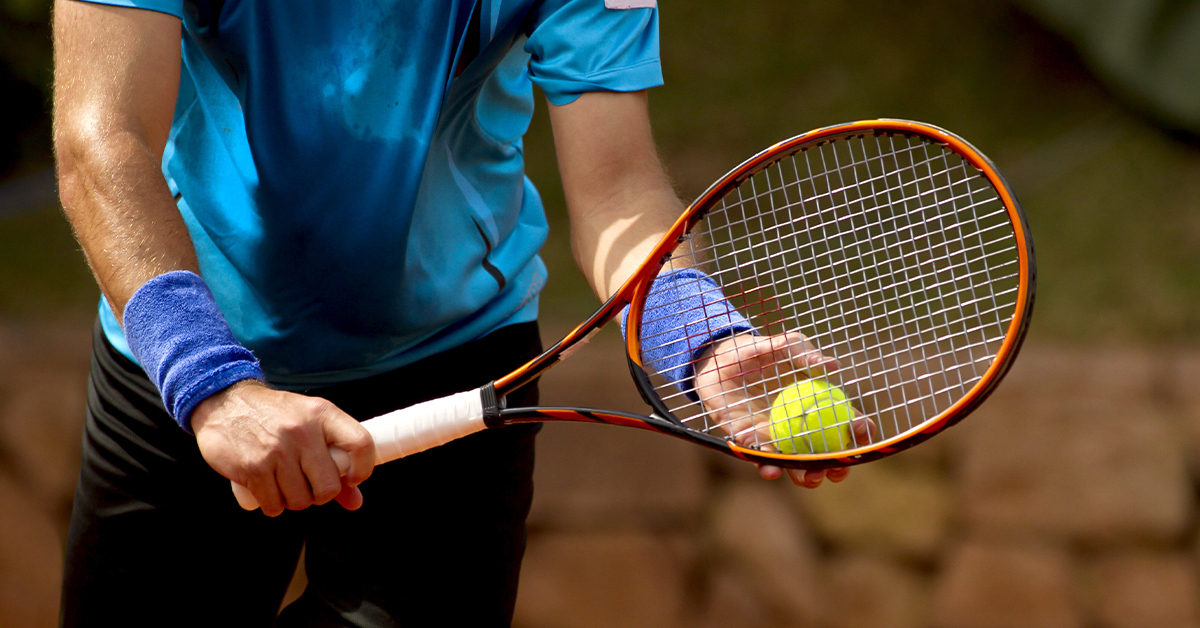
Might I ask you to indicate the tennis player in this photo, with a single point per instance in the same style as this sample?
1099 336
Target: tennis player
305 213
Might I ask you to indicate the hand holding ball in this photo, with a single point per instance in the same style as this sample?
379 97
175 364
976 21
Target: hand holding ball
811 416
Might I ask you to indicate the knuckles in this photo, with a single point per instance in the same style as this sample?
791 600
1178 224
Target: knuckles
325 490
300 502
321 408
264 465
295 430
360 441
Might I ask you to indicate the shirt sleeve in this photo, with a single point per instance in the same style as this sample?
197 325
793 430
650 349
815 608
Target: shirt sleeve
170 7
580 46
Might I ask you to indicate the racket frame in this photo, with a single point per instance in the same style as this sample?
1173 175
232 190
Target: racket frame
635 288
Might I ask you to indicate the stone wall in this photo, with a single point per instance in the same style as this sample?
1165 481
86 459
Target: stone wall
1067 501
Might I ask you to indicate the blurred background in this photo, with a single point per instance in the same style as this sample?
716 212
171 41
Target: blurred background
1067 501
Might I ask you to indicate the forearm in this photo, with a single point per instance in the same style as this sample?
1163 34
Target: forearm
619 198
116 75
123 214
618 235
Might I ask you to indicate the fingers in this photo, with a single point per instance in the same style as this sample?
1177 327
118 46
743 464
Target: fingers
803 355
812 478
266 491
769 472
345 433
756 357
294 484
731 385
807 478
350 497
322 475
311 475
743 421
837 475
277 445
751 357
307 475
865 431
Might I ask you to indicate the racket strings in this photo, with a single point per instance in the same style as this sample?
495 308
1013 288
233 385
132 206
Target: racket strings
891 255
740 240
982 249
667 331
895 355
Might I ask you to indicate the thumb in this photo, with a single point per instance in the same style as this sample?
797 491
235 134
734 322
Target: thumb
345 433
351 497
803 354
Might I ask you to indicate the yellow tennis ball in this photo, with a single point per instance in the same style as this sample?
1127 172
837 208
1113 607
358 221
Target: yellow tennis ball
811 416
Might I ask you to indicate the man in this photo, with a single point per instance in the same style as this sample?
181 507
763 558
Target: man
329 198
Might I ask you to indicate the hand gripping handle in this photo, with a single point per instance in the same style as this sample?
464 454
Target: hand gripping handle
407 431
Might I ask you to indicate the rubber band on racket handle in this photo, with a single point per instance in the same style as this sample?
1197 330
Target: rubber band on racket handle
407 431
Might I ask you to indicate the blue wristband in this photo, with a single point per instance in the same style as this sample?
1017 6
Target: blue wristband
685 312
178 334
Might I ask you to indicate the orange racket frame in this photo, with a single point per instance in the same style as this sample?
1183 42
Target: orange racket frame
633 292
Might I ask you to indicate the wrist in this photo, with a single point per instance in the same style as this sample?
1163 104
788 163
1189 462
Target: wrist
179 336
208 408
685 314
708 354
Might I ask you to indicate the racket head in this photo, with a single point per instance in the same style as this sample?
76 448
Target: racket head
897 249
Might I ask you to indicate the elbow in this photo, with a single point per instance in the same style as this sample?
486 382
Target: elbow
67 160
76 139
89 149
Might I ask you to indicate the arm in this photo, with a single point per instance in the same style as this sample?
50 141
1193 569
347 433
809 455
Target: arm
619 198
116 77
621 202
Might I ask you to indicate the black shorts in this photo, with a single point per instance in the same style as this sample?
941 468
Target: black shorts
157 539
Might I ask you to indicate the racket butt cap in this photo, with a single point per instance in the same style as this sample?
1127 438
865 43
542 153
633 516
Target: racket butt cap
491 405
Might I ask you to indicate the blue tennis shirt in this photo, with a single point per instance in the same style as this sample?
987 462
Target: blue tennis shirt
351 171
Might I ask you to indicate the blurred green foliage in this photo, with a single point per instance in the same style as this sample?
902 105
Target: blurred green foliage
1114 203
1149 50
42 272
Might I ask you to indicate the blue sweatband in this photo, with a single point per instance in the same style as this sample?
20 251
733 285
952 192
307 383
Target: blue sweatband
178 334
685 312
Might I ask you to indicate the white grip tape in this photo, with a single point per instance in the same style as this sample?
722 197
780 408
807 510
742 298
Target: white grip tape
407 431
426 425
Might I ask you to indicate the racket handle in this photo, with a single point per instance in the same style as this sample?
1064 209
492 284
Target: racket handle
407 431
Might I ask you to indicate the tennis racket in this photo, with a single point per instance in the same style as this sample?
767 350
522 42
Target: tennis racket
893 250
